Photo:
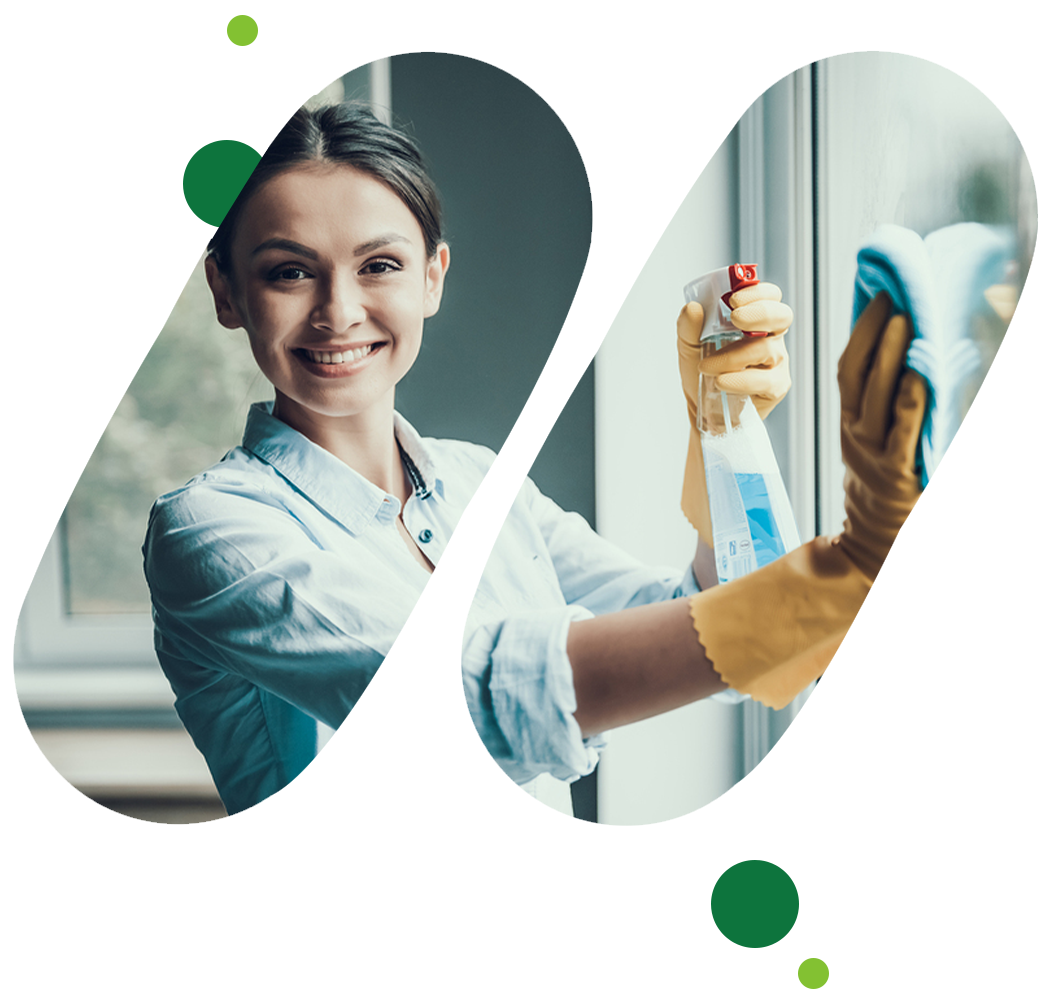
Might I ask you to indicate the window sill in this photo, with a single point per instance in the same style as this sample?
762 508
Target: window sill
92 696
85 764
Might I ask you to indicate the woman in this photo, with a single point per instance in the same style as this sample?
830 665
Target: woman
281 576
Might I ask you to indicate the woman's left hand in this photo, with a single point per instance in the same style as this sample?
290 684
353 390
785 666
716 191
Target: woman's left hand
755 366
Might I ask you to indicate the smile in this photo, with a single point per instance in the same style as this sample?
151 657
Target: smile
338 364
338 357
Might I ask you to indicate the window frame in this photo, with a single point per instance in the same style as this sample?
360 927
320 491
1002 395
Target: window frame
66 664
63 666
779 144
45 634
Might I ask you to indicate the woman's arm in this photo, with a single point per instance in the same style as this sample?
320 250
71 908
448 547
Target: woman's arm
773 631
443 686
637 663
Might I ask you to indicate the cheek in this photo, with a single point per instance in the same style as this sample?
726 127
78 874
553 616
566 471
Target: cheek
272 317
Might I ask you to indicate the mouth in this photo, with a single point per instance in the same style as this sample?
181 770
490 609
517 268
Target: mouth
336 364
337 357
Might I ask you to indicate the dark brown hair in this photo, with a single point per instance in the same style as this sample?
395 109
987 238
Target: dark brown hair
349 134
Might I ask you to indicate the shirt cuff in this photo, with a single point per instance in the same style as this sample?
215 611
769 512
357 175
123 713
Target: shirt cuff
521 694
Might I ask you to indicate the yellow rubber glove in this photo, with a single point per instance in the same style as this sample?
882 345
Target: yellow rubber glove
754 366
771 633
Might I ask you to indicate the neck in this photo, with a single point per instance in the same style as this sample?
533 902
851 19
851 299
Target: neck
364 441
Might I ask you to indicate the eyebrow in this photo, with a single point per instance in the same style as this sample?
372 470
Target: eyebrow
290 245
380 241
299 249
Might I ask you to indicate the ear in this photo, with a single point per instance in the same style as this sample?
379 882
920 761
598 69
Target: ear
436 269
225 308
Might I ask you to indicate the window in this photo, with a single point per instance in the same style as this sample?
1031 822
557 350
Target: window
923 718
922 722
127 385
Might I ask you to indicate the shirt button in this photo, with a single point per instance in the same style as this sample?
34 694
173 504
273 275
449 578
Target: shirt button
425 535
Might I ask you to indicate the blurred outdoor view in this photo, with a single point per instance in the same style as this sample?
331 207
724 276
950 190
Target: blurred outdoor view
148 388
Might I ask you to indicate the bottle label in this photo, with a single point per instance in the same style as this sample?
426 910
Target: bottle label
733 545
750 512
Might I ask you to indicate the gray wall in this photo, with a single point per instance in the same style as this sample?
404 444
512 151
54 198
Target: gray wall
518 214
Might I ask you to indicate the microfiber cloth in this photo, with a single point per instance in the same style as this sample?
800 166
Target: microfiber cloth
939 282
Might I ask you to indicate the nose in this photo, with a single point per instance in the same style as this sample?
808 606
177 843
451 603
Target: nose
340 306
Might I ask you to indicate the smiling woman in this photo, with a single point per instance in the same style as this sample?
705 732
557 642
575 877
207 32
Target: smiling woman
330 259
281 576
330 276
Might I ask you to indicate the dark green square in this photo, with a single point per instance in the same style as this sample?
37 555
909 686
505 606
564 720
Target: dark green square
241 30
755 905
813 973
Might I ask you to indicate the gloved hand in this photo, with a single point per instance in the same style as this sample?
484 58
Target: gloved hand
771 633
754 366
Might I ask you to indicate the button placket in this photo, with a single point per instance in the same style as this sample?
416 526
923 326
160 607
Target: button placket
430 541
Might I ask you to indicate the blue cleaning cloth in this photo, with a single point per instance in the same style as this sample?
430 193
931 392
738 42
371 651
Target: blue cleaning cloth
939 282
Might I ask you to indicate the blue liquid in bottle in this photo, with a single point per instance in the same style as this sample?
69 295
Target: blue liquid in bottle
768 542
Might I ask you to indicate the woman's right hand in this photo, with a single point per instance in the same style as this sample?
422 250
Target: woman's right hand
757 367
882 410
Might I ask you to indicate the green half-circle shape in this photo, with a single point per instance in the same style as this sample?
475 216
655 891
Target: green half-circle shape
214 177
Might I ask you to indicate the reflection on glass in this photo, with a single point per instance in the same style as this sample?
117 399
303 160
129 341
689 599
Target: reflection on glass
148 387
922 716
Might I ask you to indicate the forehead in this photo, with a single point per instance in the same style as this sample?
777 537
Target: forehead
324 206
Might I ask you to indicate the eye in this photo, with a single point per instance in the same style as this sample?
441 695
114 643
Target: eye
381 265
287 272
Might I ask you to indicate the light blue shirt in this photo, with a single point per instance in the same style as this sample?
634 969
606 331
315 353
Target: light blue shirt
279 582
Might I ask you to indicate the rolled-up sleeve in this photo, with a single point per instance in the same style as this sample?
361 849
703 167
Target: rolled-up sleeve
592 571
464 699
599 576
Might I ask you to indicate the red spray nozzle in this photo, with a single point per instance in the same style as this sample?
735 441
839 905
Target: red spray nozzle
742 276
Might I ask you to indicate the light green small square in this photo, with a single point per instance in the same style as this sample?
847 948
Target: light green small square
241 30
813 973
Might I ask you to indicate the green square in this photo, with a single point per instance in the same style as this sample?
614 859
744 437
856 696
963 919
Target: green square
813 973
755 905
241 30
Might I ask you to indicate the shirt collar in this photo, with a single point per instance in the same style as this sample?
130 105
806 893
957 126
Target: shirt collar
328 481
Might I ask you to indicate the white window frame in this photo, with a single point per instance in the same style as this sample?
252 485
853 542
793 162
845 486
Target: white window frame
778 219
62 662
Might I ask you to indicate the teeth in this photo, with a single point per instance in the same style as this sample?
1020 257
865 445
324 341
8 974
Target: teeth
337 357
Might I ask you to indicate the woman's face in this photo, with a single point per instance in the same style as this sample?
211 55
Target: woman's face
330 279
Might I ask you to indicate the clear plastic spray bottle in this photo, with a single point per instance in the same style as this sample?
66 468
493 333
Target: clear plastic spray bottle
750 513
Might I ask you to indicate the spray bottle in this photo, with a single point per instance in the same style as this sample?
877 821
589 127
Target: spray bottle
750 513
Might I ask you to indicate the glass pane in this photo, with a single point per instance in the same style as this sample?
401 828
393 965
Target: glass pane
149 389
922 716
